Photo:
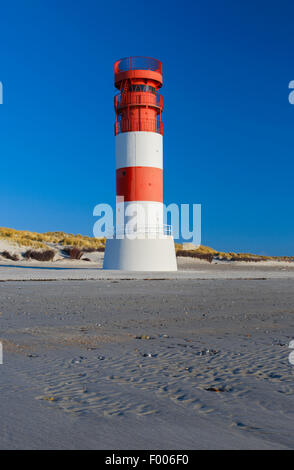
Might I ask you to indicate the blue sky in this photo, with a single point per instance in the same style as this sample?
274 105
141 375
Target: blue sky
228 141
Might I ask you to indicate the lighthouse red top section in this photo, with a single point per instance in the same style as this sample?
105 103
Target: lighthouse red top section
134 68
138 105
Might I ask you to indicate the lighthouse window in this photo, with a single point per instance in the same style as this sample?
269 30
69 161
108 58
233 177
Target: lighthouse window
151 89
147 88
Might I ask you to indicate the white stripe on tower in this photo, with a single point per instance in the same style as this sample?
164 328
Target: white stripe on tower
138 149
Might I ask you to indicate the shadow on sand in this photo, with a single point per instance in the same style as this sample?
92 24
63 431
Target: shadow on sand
52 268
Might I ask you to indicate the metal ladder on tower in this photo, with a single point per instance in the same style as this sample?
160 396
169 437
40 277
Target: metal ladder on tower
124 91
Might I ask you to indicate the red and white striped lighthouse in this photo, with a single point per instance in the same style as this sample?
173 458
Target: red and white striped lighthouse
142 242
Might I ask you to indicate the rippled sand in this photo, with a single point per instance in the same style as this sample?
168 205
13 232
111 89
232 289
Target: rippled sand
125 363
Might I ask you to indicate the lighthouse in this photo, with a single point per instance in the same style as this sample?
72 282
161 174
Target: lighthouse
141 242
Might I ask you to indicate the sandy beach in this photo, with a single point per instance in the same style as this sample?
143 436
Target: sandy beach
196 359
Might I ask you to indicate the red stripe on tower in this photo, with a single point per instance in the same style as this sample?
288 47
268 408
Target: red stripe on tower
137 183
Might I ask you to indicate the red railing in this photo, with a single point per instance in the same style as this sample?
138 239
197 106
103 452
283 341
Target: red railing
138 99
133 125
138 63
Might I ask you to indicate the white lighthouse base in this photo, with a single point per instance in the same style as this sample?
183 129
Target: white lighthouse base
140 254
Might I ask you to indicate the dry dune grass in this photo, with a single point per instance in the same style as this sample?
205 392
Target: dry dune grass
205 252
22 237
78 241
41 240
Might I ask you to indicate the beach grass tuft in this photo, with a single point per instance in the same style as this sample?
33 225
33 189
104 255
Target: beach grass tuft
46 255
